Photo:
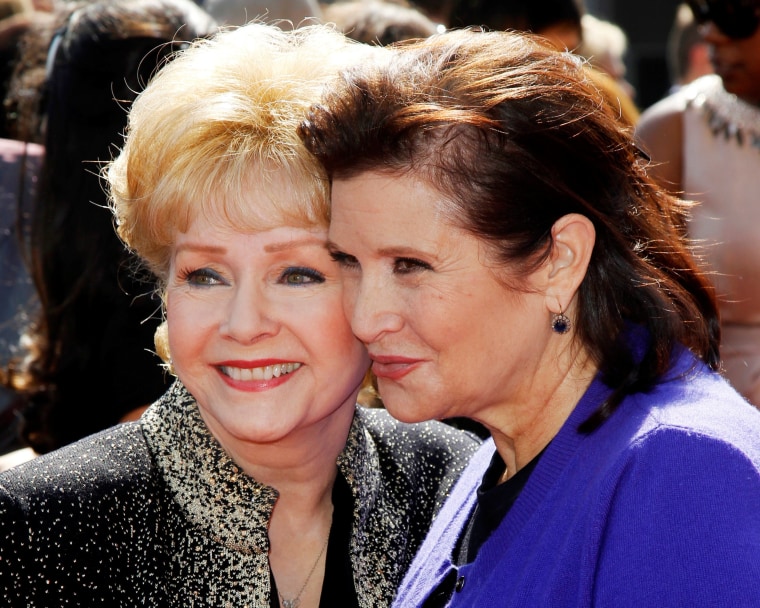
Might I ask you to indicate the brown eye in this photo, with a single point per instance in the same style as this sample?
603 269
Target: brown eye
410 265
344 260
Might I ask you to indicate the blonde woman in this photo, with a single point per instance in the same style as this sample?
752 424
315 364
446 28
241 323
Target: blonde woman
256 480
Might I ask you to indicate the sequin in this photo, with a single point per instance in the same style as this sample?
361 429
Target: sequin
130 516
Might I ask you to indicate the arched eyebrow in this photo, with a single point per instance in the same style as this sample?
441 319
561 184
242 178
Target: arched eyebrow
308 241
200 248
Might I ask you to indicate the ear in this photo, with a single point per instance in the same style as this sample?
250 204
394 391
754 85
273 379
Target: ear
573 238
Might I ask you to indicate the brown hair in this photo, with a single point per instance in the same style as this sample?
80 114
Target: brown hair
514 136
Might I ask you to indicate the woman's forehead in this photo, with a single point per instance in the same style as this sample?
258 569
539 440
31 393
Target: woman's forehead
260 198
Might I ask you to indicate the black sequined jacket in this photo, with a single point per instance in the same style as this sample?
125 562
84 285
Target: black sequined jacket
154 513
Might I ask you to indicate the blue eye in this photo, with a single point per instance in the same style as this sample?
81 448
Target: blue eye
301 275
203 277
409 265
344 260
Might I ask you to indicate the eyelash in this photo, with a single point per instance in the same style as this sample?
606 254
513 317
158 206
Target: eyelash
343 259
201 277
313 276
400 265
205 277
409 265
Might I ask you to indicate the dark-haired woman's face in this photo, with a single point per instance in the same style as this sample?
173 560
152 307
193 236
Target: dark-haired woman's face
447 337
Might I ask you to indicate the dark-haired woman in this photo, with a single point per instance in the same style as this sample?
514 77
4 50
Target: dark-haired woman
93 335
506 258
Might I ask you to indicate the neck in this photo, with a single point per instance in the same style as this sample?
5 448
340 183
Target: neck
298 534
525 426
302 480
302 508
300 462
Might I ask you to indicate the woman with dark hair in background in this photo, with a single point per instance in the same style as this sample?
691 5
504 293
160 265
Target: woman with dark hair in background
94 334
507 258
557 20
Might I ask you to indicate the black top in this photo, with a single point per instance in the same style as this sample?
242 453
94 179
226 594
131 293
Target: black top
494 502
338 585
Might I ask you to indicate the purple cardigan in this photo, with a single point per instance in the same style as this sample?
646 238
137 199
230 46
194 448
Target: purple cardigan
658 507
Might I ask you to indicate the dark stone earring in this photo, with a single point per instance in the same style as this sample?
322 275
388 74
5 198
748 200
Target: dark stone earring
560 323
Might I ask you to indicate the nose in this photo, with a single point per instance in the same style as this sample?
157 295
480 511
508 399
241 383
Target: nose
248 317
372 308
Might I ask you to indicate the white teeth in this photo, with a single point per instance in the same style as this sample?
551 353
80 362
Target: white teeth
260 373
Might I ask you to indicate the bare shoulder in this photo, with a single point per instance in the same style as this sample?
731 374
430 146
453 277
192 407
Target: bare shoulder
659 132
665 114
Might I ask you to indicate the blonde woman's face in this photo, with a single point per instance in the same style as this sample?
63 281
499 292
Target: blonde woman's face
258 334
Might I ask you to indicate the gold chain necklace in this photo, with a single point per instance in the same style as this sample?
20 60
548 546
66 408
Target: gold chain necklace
294 603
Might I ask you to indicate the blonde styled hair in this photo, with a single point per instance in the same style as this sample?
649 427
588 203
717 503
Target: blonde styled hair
219 123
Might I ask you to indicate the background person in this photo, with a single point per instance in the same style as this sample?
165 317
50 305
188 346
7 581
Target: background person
256 480
378 22
688 55
704 141
239 12
92 334
506 258
605 45
19 169
560 22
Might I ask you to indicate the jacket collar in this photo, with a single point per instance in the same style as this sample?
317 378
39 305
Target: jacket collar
220 499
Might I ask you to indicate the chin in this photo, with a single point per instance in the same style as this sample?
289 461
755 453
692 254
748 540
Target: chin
740 88
409 413
264 437
409 406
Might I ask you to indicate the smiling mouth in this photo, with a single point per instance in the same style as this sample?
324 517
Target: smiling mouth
259 373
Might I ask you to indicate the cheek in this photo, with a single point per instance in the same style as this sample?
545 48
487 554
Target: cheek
438 323
329 325
445 309
331 319
471 331
185 328
350 295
